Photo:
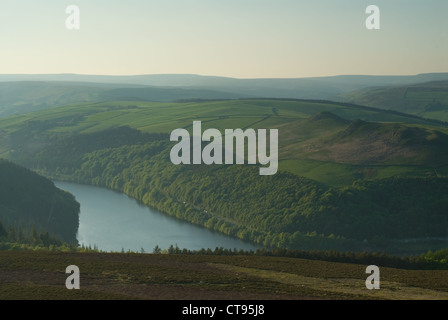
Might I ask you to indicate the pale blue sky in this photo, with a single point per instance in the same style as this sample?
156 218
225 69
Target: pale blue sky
235 38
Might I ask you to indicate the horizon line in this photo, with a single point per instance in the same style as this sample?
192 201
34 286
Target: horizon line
218 76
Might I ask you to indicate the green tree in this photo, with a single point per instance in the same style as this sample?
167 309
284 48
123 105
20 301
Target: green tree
157 250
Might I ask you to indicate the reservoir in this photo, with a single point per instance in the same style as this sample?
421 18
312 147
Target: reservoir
113 221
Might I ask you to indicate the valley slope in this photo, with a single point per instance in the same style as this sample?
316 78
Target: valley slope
350 177
31 204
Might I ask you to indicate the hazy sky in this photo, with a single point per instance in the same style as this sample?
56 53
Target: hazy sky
235 38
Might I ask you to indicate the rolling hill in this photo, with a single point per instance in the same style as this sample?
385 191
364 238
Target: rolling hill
428 100
338 166
24 93
364 143
27 96
315 136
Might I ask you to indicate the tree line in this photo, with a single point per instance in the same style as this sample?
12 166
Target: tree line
437 260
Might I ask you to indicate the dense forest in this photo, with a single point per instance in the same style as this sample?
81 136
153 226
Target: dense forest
283 210
31 207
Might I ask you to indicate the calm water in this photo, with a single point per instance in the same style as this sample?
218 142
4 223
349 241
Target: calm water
113 222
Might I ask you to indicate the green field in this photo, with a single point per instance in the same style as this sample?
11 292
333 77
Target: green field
164 117
34 130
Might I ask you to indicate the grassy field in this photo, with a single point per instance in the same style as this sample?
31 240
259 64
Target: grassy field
309 144
428 100
41 275
164 117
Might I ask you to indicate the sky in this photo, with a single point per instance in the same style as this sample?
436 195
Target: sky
232 38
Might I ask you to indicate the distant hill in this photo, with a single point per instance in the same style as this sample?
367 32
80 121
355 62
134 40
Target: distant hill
192 80
27 96
28 201
429 99
328 88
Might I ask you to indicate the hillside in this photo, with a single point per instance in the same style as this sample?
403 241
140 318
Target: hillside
326 137
316 148
428 100
29 201
330 192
